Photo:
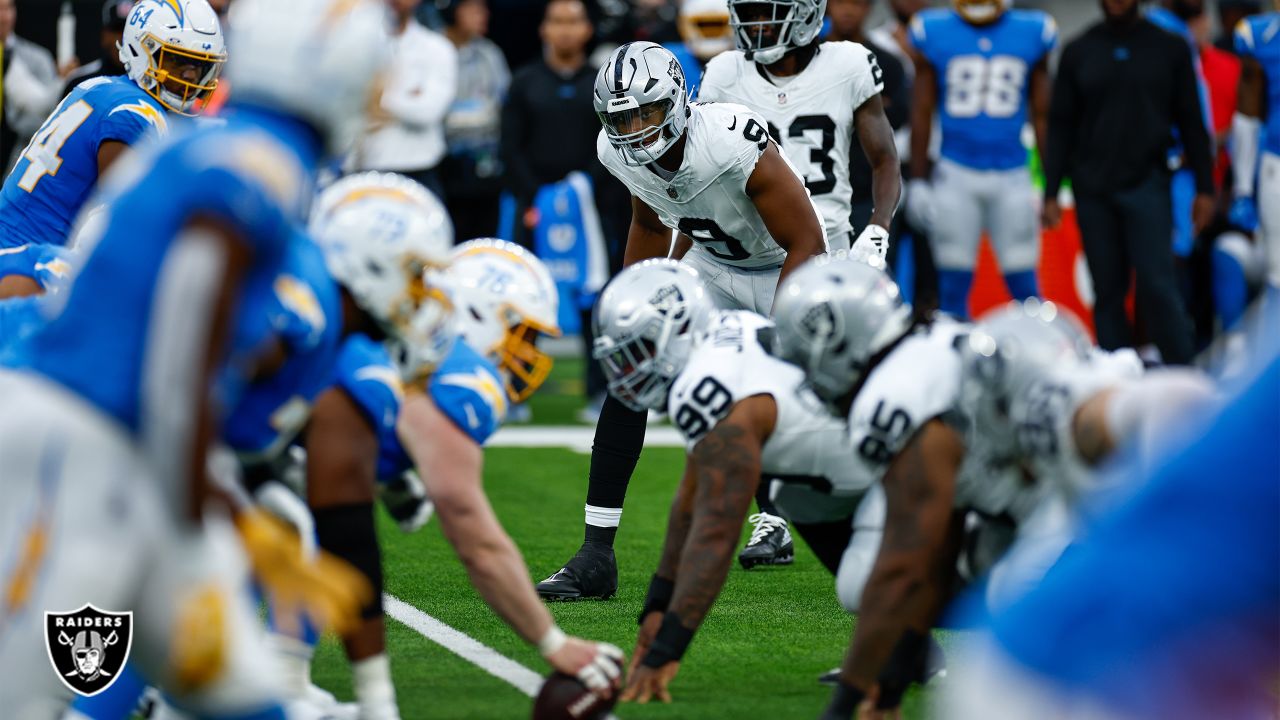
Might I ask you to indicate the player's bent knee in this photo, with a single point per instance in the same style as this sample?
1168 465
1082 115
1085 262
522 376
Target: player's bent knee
348 532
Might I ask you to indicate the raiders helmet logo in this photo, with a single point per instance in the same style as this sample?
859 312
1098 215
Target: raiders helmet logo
819 323
669 302
677 72
88 647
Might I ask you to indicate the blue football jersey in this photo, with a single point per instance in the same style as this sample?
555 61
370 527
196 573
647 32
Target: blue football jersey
1258 37
58 170
125 326
306 316
689 64
983 75
367 374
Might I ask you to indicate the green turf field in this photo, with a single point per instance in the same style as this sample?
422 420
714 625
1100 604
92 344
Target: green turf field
769 636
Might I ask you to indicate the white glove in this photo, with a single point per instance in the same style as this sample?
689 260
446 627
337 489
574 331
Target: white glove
605 669
921 212
281 502
871 246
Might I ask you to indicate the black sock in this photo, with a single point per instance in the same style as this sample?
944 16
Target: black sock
619 438
762 497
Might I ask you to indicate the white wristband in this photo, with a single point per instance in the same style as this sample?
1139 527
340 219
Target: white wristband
552 640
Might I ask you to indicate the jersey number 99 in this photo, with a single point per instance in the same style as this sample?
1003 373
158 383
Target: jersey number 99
709 401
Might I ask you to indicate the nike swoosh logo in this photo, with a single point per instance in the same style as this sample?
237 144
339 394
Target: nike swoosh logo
735 122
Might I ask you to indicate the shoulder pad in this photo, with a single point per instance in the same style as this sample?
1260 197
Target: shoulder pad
722 71
365 371
469 391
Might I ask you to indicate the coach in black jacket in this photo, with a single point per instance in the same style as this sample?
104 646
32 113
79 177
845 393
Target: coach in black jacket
1122 89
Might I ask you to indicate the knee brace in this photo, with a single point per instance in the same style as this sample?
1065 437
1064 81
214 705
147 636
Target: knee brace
347 531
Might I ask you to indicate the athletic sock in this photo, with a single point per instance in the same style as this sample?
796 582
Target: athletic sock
618 441
371 678
953 292
762 498
1022 284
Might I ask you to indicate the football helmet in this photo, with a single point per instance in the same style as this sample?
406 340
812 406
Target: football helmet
642 101
833 315
319 60
766 29
386 240
646 323
173 50
505 299
704 27
981 12
1007 352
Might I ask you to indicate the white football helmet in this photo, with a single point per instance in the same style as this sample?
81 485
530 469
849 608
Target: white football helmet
386 240
765 30
505 298
981 12
704 27
319 60
834 314
642 101
174 50
646 324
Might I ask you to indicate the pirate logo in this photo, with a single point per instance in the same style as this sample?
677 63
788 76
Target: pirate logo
819 323
88 647
669 301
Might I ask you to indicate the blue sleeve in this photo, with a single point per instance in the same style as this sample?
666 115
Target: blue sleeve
366 373
917 35
129 122
469 391
1243 38
1048 35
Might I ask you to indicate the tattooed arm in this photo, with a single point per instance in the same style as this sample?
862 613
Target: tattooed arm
720 482
909 584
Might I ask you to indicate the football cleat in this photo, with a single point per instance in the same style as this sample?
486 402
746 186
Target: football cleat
770 543
591 573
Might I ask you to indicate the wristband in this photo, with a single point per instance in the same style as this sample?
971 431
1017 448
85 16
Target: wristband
552 640
844 702
670 643
658 597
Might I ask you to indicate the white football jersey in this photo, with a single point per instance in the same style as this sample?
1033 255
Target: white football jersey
808 447
810 115
706 199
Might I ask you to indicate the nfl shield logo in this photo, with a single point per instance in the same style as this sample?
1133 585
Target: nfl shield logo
87 647
782 98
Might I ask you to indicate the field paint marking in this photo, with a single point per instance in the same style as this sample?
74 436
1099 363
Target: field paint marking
466 647
573 437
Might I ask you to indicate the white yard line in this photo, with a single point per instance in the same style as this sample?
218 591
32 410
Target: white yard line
574 437
466 647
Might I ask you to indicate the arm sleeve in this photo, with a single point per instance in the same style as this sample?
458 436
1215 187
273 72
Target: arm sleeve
419 96
868 77
1063 116
1188 116
469 403
917 35
1243 39
1048 35
520 178
130 122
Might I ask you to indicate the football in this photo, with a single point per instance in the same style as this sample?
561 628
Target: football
564 697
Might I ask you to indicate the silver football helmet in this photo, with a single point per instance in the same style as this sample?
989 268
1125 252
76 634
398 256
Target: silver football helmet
766 29
1007 353
834 314
642 101
646 323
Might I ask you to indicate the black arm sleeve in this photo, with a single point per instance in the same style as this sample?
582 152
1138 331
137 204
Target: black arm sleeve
519 176
1063 117
1188 116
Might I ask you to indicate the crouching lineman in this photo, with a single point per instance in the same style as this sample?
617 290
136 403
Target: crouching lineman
368 425
900 383
108 422
746 418
743 219
172 53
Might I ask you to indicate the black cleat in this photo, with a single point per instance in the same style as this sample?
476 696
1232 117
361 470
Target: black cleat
770 543
592 573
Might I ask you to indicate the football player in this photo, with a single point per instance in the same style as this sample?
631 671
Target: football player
172 52
903 385
704 34
368 425
743 218
984 69
108 423
746 419
815 98
1257 41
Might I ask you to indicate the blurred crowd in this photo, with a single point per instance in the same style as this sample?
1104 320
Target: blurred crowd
489 105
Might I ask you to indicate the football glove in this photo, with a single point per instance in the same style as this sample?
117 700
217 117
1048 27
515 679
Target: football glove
325 588
871 246
405 499
605 669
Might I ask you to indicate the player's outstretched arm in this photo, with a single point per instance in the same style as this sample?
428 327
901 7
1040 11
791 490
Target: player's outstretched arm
658 599
875 134
784 205
727 467
648 237
450 463
909 584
